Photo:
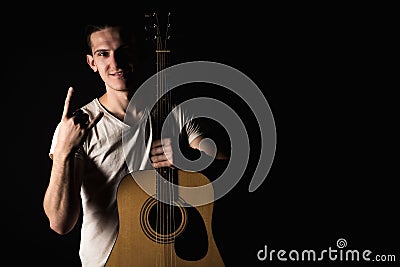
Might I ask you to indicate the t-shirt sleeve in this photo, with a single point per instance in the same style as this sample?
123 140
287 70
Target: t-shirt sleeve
54 141
193 130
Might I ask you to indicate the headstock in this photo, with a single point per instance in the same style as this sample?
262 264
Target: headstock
157 28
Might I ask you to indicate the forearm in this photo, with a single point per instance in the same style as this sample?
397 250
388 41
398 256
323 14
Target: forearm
201 147
62 200
216 166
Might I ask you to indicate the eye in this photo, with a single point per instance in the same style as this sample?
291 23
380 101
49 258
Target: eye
102 53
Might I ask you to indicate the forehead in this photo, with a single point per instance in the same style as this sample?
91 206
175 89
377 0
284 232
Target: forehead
106 38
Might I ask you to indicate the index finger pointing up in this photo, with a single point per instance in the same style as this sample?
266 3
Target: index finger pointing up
67 101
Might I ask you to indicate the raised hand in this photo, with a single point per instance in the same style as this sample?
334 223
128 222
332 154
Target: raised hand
74 128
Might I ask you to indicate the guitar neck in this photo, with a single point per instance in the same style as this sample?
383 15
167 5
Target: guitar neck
164 104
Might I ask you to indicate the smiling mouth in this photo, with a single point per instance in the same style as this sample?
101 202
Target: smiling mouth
120 74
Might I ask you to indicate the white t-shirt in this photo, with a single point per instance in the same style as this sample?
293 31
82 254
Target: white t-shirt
105 166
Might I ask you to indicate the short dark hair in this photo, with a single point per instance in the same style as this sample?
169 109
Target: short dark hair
130 29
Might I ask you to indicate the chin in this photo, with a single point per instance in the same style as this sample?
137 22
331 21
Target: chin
118 86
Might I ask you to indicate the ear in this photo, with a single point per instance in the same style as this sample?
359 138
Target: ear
91 63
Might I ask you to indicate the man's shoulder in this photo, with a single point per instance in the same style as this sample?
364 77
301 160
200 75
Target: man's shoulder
92 108
91 104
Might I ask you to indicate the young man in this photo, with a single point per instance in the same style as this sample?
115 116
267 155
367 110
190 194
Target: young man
87 148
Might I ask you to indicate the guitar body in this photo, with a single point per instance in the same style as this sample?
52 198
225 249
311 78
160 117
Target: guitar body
144 241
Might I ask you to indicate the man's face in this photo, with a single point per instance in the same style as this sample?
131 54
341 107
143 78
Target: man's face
113 58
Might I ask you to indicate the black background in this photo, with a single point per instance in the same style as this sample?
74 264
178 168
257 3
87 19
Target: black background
327 72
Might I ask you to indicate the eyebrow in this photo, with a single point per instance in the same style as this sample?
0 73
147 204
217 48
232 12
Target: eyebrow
123 46
100 50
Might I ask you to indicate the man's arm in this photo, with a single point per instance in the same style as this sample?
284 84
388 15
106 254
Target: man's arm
218 164
62 199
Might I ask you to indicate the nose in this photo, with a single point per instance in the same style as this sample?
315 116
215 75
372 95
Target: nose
120 59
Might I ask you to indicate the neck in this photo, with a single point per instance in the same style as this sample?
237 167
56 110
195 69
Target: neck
116 102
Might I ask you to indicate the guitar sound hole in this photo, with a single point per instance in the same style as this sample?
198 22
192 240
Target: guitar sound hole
161 222
165 219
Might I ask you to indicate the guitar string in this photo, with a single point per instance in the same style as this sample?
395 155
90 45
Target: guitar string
166 213
159 112
174 198
169 175
164 219
171 197
157 174
171 192
166 173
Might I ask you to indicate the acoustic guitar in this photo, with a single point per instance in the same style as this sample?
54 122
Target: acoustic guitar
159 226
